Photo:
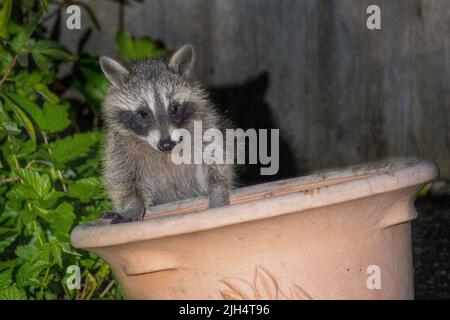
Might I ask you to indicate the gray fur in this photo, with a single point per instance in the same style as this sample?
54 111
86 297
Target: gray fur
136 111
183 60
113 70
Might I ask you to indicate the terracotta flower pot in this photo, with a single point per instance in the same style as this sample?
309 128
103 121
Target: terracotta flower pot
337 235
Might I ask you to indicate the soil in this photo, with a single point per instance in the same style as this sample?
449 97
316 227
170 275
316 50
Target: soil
431 247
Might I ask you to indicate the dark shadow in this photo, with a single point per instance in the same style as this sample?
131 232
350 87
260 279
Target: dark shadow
431 252
245 105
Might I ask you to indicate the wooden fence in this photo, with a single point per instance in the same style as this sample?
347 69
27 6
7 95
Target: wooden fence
341 94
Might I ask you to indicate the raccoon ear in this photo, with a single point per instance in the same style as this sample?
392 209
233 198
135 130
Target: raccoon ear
114 71
182 61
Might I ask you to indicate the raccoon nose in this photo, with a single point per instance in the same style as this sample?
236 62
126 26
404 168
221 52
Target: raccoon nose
166 145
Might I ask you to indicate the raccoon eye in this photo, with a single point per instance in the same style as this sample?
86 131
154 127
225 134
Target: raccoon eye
175 110
142 113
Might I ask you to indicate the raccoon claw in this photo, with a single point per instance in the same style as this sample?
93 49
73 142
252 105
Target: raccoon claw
119 219
108 215
115 217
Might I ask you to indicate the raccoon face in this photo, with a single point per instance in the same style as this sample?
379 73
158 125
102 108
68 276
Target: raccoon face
152 98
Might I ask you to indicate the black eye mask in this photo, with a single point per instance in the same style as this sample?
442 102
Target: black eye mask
186 113
139 122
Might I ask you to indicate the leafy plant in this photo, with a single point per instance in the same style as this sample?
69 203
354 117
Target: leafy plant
49 163
48 170
137 48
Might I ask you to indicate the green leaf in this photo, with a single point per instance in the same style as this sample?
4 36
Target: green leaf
72 147
57 53
30 270
4 230
27 216
5 59
23 60
22 192
40 60
46 44
33 23
5 279
93 85
29 106
44 4
125 44
425 191
19 40
38 265
5 14
41 184
35 283
27 148
12 293
23 117
137 48
44 91
10 128
50 295
25 120
9 264
26 252
50 198
51 118
66 248
85 189
61 220
6 233
55 118
56 252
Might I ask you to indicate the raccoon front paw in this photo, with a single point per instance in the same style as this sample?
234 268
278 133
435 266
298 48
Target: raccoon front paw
218 196
120 219
115 217
108 215
219 200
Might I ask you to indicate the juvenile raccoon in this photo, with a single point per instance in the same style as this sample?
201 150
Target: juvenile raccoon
148 102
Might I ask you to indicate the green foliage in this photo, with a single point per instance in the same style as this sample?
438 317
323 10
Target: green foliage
89 80
49 169
137 48
425 191
5 13
49 159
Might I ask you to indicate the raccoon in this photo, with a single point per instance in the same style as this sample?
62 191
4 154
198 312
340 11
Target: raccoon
148 102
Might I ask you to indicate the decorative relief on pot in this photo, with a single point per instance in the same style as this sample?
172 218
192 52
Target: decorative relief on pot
263 287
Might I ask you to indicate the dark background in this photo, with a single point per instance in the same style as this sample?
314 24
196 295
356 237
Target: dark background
341 94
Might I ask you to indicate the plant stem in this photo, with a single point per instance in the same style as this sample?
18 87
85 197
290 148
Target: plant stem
35 228
15 58
9 180
57 170
108 287
16 162
41 291
30 164
11 66
79 294
67 292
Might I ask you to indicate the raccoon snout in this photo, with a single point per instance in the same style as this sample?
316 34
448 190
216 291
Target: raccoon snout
166 145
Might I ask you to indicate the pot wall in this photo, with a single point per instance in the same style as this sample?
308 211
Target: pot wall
330 237
322 253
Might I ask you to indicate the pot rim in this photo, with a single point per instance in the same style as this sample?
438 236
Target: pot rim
319 190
